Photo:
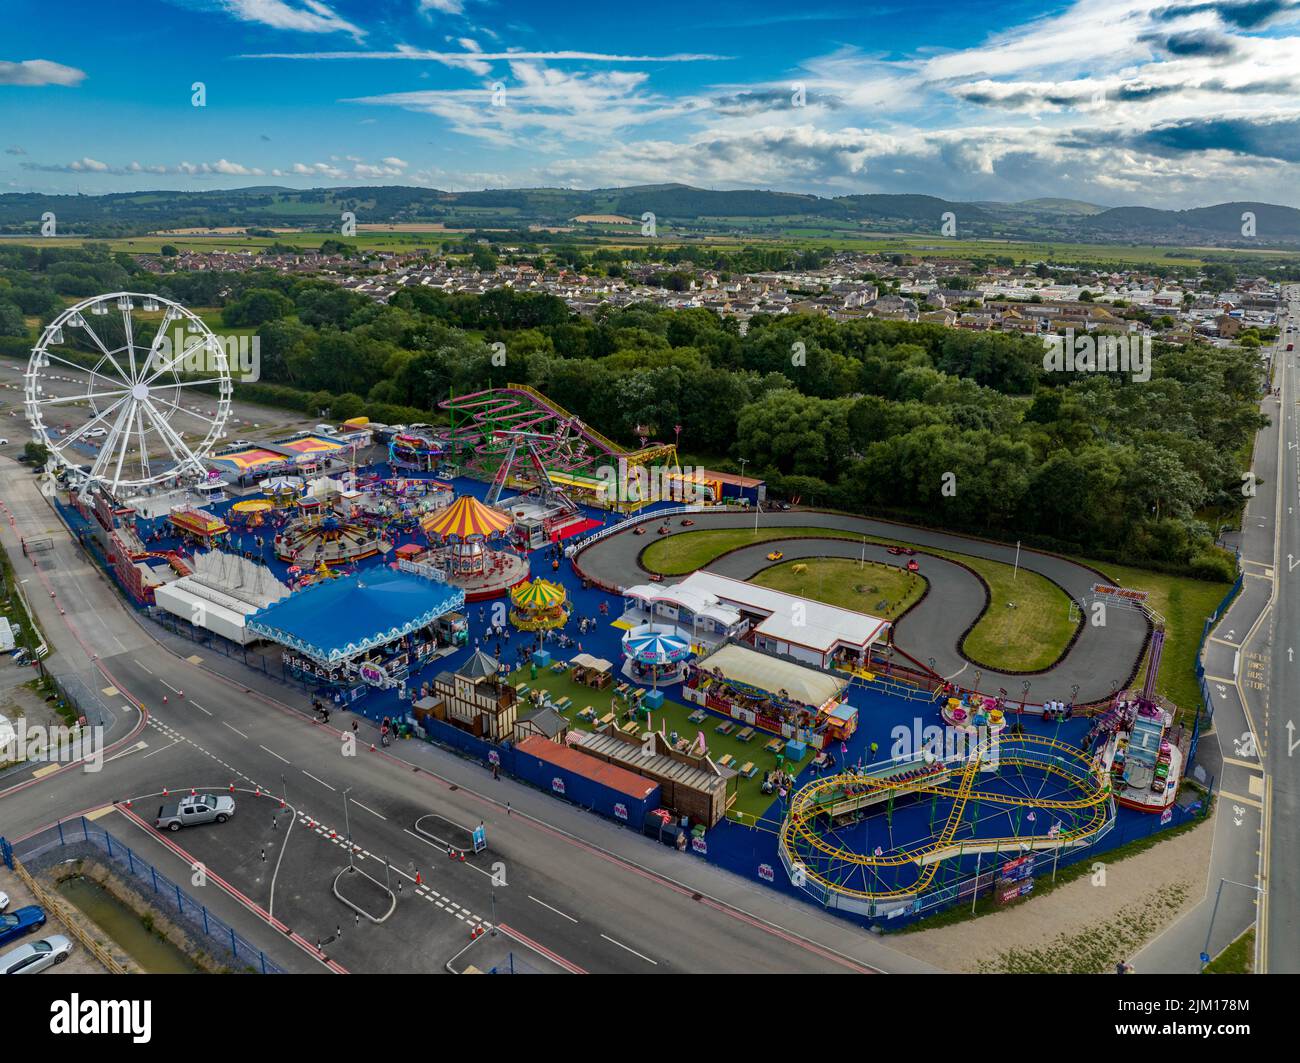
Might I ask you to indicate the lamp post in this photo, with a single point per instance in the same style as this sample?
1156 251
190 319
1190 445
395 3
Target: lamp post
1024 697
347 826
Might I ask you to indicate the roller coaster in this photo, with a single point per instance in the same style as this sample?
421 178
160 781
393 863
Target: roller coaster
489 424
831 837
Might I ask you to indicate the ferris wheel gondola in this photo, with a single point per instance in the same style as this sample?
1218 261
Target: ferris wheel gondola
133 360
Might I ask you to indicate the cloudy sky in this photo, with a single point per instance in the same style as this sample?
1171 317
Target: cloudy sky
1170 103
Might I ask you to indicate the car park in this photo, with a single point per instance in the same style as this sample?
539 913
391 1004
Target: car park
36 956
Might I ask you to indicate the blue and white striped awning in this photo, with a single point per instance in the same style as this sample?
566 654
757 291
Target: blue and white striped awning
655 645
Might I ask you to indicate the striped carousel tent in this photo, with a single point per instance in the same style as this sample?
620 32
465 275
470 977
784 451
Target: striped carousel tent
537 595
466 518
651 646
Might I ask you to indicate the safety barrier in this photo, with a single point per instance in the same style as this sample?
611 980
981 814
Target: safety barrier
54 844
50 904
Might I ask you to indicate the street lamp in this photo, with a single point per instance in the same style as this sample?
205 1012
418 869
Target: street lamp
347 826
1024 695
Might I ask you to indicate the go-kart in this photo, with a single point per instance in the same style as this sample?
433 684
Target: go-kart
896 550
639 530
656 577
912 566
664 529
687 522
775 555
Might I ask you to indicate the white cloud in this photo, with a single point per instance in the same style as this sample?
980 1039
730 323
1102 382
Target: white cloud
31 72
309 16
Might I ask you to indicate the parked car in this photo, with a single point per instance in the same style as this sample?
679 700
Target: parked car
35 956
4 900
95 433
4 442
191 811
14 925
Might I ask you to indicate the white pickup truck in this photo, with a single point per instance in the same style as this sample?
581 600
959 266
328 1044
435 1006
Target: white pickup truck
189 811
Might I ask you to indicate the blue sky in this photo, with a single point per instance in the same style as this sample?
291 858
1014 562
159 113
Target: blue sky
1170 103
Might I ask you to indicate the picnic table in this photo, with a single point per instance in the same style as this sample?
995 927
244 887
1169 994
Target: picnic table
608 718
775 746
586 713
725 728
521 689
630 728
748 770
726 760
562 705
745 734
698 716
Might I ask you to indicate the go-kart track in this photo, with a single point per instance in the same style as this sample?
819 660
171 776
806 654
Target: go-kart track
1100 660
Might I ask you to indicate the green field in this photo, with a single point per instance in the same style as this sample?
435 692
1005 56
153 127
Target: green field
750 799
1031 635
919 244
871 587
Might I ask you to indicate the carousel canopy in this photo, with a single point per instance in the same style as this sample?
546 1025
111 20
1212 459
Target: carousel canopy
652 646
466 518
281 485
538 594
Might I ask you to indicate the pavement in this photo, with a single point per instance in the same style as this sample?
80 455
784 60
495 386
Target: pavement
584 892
1101 660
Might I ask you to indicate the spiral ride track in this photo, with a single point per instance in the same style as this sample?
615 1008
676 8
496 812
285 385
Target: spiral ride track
1011 795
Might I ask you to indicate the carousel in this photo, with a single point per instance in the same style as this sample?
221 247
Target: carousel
251 512
459 535
320 536
539 605
655 653
282 491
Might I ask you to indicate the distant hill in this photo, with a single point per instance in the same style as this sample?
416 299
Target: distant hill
678 208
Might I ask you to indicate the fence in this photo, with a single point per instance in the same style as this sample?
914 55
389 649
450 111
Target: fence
1210 621
58 843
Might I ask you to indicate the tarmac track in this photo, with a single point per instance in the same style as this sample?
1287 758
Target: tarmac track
1101 660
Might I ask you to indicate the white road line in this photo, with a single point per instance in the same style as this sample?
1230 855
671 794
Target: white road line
169 686
555 910
274 754
145 667
370 810
632 951
235 729
164 748
321 781
200 707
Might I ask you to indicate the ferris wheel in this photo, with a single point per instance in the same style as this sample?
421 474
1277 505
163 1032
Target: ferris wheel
128 367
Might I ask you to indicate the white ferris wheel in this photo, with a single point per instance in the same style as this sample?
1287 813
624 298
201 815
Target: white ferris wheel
112 388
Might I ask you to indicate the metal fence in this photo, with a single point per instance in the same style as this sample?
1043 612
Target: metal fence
65 840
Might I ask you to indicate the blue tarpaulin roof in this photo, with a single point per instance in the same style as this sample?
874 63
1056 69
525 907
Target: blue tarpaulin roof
340 618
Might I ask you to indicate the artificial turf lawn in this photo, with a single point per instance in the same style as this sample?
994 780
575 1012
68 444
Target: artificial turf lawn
750 799
870 587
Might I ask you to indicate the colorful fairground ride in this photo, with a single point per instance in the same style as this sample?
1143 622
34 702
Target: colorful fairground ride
516 437
934 826
321 536
461 537
416 451
539 605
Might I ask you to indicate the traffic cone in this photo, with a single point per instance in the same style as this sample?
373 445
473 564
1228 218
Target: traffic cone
462 856
232 788
164 791
418 880
164 699
192 791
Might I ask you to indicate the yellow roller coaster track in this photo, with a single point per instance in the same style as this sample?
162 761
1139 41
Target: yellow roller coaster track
806 805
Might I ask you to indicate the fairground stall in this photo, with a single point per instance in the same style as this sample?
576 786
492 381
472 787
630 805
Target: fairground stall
771 694
355 632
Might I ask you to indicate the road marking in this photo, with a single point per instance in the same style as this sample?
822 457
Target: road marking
632 951
1219 679
200 707
235 729
274 754
370 810
145 667
555 910
162 750
1251 765
1256 785
321 781
1237 797
110 692
1224 642
169 686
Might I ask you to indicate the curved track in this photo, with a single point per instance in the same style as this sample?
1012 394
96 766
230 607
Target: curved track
1100 661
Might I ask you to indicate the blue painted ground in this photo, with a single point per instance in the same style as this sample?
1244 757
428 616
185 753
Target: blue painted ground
893 723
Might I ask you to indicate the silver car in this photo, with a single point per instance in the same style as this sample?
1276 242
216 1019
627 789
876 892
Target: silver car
35 956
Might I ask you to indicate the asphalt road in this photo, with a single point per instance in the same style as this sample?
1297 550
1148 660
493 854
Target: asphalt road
1102 659
595 895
